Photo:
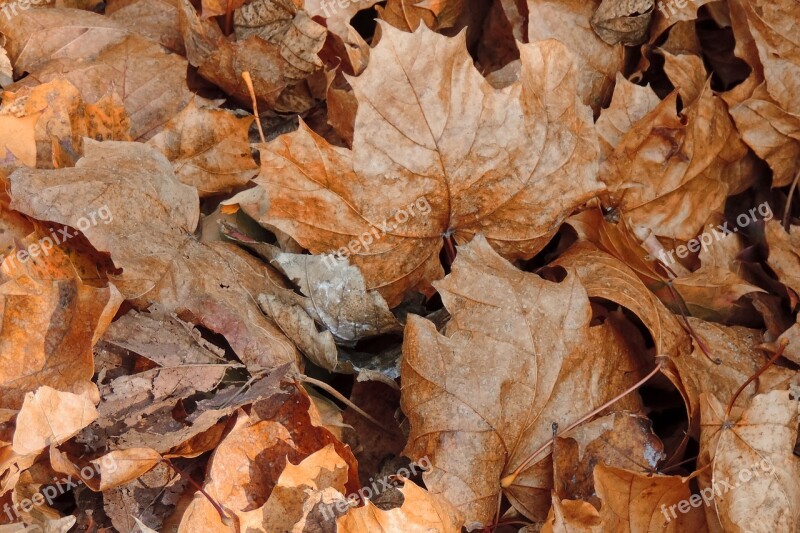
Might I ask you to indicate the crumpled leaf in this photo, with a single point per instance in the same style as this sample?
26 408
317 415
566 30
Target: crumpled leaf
208 148
151 83
279 65
758 439
64 119
765 106
40 35
508 366
246 467
408 15
621 440
148 234
623 21
631 502
155 19
527 165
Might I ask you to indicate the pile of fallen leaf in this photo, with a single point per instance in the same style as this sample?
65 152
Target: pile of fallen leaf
398 266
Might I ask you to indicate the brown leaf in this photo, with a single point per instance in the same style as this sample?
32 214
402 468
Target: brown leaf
44 300
784 253
753 473
155 19
421 512
147 227
597 62
49 416
621 440
151 83
669 171
278 65
39 35
623 21
208 148
434 180
64 119
509 365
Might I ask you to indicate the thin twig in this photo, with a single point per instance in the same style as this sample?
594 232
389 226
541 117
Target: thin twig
779 352
336 394
249 82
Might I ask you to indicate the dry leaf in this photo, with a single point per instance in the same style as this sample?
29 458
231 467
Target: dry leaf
49 416
753 472
784 253
208 148
148 235
597 62
435 181
509 365
623 21
421 512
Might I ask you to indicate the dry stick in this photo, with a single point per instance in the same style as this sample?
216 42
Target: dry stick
779 352
787 210
509 479
249 82
330 390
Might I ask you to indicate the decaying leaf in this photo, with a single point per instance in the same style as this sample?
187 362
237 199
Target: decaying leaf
137 210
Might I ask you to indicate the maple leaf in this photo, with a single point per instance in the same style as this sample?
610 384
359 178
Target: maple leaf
483 396
758 439
528 161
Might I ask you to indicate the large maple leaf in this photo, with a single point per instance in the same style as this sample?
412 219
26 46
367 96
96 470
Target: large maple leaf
432 133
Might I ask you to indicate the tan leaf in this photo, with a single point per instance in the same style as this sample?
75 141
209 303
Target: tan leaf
6 70
35 36
636 502
629 105
484 396
155 19
64 119
597 62
151 83
669 172
572 516
278 66
408 15
784 253
710 293
753 472
49 416
621 440
147 231
285 507
421 512
531 158
208 148
247 466
736 348
215 8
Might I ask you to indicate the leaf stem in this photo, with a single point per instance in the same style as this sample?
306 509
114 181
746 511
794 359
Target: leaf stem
779 352
509 479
